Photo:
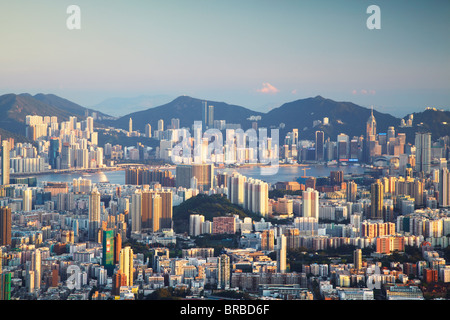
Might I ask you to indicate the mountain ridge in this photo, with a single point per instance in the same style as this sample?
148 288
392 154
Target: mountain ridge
306 115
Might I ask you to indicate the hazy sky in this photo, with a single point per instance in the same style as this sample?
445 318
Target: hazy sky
254 53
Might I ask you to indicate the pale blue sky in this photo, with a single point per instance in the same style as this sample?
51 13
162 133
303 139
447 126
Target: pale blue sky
229 50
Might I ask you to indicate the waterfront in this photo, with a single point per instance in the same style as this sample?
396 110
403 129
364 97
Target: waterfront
285 173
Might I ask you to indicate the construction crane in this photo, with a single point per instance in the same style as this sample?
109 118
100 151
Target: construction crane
304 172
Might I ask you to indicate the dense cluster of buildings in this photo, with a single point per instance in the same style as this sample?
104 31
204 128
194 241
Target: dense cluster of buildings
83 240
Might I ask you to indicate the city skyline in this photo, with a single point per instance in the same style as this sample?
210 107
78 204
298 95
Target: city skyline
255 54
341 193
200 231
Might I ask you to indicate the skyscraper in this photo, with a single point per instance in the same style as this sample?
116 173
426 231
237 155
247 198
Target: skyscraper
117 247
151 211
156 210
371 132
343 146
376 200
320 146
352 188
444 188
195 224
203 172
5 286
130 126
256 196
27 200
210 116
160 125
423 152
5 226
126 264
371 125
281 254
94 214
5 162
310 206
267 240
205 114
136 211
53 153
224 272
119 280
36 263
108 250
148 130
357 259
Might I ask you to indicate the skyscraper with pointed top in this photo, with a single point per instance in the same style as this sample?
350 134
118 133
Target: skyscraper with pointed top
371 133
371 125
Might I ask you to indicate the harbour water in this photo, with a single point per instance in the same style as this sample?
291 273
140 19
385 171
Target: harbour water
285 173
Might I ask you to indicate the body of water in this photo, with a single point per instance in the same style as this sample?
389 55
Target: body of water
285 173
114 177
291 173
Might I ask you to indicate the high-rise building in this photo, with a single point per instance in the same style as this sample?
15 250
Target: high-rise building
357 259
148 130
160 125
376 200
94 214
224 272
130 126
256 196
117 247
268 240
5 162
53 153
5 286
119 280
204 173
126 264
195 224
27 200
371 125
210 116
336 177
5 226
320 138
175 123
310 207
108 250
136 211
281 253
444 188
371 133
423 152
90 124
151 211
156 209
343 147
236 189
352 188
36 263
